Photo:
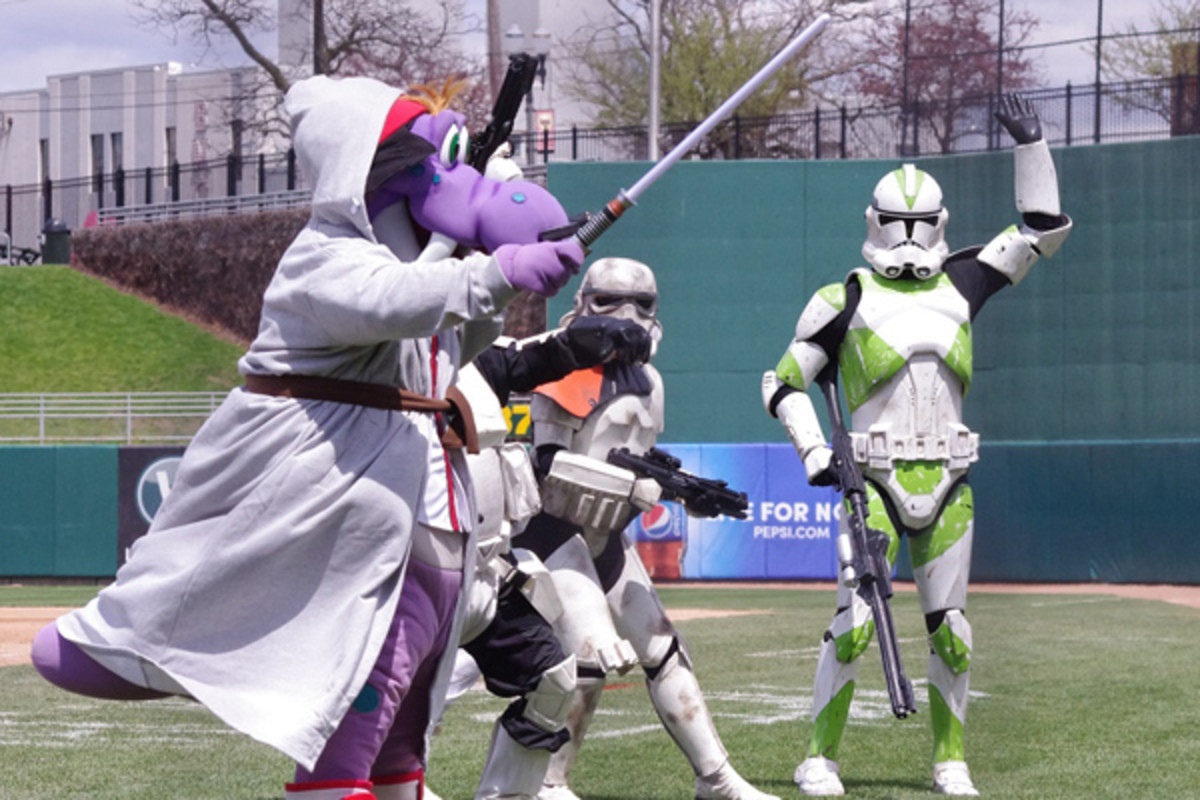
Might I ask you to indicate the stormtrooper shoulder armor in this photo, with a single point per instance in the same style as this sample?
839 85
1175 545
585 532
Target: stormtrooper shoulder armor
803 359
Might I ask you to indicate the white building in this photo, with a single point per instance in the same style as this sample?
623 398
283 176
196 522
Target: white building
74 134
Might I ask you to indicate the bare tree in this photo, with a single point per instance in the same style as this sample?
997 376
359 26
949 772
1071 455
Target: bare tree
392 40
938 60
709 49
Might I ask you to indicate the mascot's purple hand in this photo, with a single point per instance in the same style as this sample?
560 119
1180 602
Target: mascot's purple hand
543 268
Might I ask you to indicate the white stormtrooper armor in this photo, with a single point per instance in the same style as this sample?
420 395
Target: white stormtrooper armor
900 335
589 503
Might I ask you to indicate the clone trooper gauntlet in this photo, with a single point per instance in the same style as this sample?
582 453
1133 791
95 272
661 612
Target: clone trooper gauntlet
795 410
595 495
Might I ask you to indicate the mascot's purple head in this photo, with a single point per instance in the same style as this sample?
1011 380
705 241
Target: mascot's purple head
421 160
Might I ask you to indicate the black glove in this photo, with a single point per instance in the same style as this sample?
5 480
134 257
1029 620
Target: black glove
596 340
1019 119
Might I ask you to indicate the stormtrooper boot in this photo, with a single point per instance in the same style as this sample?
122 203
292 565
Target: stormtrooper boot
953 778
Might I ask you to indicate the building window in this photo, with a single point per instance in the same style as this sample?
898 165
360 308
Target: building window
118 151
98 162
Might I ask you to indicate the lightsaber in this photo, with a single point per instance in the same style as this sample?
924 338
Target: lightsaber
598 223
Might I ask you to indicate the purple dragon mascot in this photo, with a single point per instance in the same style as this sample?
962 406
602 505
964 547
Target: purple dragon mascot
302 578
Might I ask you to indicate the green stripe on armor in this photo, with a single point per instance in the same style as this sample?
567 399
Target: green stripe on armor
830 723
951 649
951 526
947 729
960 359
788 370
853 643
909 198
866 360
918 477
877 518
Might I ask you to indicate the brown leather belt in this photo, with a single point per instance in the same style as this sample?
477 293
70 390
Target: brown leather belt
459 433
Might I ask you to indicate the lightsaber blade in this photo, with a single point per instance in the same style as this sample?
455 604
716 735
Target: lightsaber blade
590 231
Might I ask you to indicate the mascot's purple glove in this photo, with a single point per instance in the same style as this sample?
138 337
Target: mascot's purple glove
544 267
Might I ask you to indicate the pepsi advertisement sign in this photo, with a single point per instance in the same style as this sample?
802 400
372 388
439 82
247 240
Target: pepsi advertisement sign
788 532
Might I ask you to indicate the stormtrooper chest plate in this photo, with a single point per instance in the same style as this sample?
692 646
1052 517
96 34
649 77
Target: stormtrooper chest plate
897 321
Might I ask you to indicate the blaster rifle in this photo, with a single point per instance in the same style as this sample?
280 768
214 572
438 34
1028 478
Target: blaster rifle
522 69
865 567
706 497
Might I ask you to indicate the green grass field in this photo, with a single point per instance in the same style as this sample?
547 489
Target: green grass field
68 332
1086 696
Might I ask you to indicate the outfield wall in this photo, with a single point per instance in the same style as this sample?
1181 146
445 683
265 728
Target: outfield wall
1085 374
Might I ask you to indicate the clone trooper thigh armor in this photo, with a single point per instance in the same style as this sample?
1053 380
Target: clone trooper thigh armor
900 334
613 619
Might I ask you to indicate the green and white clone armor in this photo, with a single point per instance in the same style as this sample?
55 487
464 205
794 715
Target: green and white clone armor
900 335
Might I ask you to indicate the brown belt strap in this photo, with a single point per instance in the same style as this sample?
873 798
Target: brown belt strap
459 433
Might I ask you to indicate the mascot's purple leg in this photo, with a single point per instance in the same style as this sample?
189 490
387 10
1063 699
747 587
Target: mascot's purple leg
387 721
67 666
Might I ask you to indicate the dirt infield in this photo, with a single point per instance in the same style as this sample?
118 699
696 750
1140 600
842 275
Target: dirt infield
19 625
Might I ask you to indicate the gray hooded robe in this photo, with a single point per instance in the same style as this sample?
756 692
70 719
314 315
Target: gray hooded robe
270 575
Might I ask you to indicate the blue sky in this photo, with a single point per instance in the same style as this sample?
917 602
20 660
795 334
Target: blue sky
49 37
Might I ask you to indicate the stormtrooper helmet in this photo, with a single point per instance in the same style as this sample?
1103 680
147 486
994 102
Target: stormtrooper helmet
906 225
620 288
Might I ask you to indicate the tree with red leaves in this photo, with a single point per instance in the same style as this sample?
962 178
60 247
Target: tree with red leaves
939 60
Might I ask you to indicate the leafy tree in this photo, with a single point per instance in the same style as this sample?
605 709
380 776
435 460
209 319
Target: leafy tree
951 68
709 49
1167 50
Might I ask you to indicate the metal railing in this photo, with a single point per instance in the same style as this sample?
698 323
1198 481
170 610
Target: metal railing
104 417
1127 111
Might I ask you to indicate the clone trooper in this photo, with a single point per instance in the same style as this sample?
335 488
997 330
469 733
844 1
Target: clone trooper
507 635
613 619
900 333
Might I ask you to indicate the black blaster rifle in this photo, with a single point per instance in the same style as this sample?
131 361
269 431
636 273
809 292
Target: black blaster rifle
706 497
522 69
871 577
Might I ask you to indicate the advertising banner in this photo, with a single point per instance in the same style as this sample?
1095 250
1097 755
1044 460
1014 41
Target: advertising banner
144 478
788 533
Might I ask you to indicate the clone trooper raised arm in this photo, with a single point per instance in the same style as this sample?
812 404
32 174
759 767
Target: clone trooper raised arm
899 333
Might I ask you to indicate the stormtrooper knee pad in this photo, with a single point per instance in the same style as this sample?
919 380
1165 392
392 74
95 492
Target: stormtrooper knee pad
950 639
538 720
547 705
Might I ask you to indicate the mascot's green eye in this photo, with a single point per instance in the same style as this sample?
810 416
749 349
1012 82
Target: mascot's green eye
455 146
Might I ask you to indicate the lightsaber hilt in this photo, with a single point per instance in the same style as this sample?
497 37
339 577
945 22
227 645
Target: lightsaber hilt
598 223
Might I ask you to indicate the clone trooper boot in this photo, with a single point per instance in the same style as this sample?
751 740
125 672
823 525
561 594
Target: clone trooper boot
817 776
953 778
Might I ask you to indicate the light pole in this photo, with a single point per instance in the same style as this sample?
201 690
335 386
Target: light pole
536 44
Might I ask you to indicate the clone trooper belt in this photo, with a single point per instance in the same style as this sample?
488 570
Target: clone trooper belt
880 449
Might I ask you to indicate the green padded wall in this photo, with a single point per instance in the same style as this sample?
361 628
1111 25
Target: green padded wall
58 511
1085 375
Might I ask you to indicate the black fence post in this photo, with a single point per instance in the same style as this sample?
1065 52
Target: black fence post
47 199
149 186
291 168
175 181
842 135
574 142
262 173
119 187
8 211
1069 112
817 133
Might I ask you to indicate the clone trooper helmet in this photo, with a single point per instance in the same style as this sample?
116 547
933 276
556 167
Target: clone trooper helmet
906 225
621 288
